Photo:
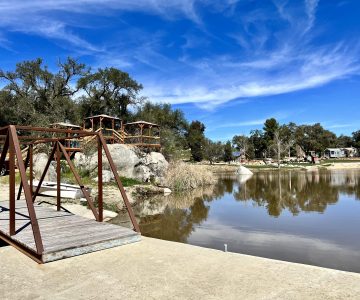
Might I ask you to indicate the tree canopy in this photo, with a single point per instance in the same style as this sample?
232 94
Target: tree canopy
36 96
110 91
196 138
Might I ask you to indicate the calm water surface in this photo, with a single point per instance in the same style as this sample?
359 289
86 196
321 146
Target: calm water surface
297 216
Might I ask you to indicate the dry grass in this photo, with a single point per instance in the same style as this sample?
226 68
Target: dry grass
181 176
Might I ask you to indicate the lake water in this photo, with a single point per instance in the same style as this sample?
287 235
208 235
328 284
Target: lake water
305 217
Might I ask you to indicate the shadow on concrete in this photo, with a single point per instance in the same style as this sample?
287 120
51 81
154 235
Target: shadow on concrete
3 244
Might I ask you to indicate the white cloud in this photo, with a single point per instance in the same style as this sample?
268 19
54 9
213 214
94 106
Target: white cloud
310 7
291 64
296 72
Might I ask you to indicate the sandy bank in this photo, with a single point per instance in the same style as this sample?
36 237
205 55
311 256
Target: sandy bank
156 269
343 166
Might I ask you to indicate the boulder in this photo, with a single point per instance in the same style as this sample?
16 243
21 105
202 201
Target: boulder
82 161
129 161
40 160
157 164
125 158
142 173
167 191
243 171
107 176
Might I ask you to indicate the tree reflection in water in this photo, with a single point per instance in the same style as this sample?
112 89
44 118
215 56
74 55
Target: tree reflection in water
176 216
298 191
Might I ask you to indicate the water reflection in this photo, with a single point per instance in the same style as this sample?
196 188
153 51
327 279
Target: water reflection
173 217
298 191
282 215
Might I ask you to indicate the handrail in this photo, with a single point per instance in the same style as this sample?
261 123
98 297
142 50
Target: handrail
12 146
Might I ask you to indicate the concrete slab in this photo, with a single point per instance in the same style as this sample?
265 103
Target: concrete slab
156 269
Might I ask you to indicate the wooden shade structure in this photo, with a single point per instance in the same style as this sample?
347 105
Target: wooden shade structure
110 127
71 145
142 134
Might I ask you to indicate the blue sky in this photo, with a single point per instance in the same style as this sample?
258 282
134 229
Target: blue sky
230 64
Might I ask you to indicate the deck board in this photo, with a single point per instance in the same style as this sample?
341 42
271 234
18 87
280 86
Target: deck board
63 233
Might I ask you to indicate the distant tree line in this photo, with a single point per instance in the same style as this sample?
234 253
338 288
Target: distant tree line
282 140
33 95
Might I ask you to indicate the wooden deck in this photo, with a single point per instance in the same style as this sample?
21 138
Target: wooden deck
63 233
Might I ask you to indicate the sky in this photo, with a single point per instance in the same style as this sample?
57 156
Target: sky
230 64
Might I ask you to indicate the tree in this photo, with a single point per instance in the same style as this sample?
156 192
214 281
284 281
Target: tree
228 156
314 138
356 139
163 115
241 143
195 138
344 141
213 151
258 143
281 142
270 127
173 126
37 96
110 91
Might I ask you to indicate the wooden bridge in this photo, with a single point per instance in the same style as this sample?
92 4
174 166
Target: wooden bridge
41 232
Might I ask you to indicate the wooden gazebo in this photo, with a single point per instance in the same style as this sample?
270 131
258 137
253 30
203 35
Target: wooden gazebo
71 145
142 134
110 127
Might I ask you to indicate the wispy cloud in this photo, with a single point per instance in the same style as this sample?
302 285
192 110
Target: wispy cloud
247 59
278 74
310 7
5 43
281 115
243 123
338 126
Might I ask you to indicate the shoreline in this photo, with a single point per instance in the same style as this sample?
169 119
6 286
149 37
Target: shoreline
217 168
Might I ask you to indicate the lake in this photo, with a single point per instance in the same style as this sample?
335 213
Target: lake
298 216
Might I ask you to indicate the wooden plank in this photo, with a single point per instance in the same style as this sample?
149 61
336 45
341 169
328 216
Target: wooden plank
64 234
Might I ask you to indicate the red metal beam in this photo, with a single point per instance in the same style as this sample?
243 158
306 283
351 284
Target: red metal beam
31 171
44 173
29 203
53 130
100 181
58 177
118 181
12 205
77 178
26 165
4 152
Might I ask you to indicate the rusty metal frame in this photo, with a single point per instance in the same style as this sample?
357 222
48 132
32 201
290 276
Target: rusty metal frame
12 145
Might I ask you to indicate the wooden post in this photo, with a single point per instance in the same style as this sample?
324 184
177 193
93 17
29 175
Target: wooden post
141 133
113 128
150 135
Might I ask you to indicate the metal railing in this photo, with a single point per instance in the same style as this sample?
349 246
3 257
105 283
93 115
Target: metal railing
11 145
